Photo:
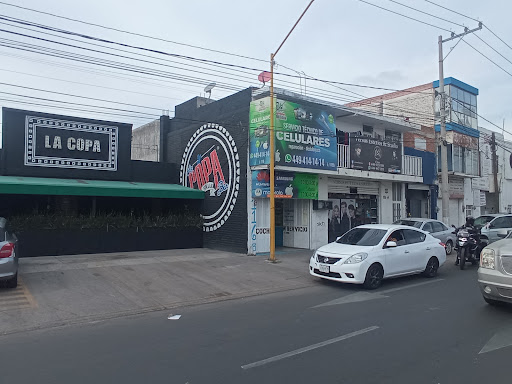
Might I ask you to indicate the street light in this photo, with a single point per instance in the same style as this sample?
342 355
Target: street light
272 150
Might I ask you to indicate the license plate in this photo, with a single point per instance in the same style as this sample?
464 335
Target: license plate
324 268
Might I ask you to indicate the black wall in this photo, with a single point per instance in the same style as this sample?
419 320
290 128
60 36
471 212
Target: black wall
232 113
153 172
14 150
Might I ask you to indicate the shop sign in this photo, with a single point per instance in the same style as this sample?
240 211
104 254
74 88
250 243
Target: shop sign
305 136
483 201
369 154
211 163
287 185
456 189
70 144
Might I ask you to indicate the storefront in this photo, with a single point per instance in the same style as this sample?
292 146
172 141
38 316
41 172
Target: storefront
67 180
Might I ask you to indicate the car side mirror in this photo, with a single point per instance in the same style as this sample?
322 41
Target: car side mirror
391 244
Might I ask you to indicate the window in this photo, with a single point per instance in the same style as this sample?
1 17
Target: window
410 223
502 222
397 237
396 192
438 227
362 237
367 130
463 107
413 237
392 135
428 227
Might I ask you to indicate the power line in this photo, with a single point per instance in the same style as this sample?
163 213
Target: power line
483 41
499 66
451 10
426 13
407 17
133 33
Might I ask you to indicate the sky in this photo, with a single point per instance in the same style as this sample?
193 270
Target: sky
344 41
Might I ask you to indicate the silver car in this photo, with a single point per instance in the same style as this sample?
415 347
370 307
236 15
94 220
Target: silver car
8 257
489 231
436 228
495 272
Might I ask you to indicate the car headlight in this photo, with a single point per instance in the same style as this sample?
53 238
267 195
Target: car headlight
357 258
313 256
487 259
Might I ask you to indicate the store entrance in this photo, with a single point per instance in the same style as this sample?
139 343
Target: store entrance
349 211
292 223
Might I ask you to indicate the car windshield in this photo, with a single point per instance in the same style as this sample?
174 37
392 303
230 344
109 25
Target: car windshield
362 236
410 223
482 220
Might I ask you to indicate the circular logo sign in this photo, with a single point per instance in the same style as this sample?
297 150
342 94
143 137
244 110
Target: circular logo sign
211 163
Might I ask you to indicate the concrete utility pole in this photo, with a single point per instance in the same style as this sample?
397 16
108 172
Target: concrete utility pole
272 196
445 194
495 170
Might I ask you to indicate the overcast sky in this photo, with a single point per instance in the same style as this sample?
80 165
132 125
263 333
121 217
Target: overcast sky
338 40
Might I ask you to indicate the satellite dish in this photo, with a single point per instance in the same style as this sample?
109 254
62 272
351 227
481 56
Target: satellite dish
264 77
208 89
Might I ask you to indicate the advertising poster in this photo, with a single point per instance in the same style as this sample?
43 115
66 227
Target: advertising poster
305 137
288 185
341 218
369 154
259 130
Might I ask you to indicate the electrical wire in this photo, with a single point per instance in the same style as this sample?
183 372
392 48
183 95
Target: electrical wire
133 33
426 13
496 64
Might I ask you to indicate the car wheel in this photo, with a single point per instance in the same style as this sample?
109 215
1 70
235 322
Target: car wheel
13 282
432 267
449 247
374 277
492 302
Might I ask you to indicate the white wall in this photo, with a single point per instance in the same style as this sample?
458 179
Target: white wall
386 202
319 218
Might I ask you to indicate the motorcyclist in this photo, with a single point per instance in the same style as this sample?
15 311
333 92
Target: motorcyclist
469 225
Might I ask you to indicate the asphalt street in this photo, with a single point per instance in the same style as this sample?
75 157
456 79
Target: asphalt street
411 330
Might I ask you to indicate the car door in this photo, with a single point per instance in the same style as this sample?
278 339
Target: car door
418 249
427 227
497 225
440 231
397 258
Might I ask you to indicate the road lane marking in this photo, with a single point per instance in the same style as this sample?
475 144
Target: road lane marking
502 339
366 296
309 348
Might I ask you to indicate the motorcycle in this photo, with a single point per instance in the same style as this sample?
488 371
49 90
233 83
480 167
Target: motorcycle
469 246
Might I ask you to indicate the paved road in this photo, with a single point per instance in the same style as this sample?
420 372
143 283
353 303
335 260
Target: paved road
412 330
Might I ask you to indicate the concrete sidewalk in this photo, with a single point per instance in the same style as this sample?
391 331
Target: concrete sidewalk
56 291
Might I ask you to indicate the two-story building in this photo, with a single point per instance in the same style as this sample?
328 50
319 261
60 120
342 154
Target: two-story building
336 167
420 104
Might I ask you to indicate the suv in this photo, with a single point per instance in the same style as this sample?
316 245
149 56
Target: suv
435 228
8 257
490 231
495 272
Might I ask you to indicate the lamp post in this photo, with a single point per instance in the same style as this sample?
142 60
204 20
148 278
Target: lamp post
272 144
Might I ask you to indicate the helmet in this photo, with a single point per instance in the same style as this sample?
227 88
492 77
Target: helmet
470 220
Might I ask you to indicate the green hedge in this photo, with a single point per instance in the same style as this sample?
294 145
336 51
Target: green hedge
110 221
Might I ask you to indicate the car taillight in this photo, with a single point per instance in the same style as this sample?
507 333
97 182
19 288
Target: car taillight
6 250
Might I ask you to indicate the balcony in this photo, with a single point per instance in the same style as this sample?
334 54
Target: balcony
411 165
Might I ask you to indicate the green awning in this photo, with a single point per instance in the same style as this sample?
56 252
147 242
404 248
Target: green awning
74 187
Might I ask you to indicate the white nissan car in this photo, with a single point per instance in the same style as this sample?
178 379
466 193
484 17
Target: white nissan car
369 253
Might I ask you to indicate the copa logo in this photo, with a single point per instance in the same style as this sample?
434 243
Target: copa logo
211 163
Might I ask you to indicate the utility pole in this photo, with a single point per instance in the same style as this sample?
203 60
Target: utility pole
272 196
495 170
442 106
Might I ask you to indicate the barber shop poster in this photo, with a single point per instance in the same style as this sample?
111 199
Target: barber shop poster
341 218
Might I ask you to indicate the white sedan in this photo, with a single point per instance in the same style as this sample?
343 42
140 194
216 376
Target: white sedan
369 253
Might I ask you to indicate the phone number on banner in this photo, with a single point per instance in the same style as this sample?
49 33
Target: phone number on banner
307 160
